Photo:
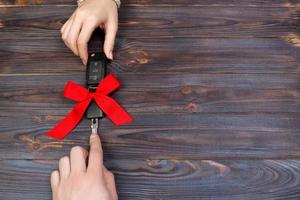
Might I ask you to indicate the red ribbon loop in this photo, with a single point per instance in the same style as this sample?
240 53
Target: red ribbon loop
81 95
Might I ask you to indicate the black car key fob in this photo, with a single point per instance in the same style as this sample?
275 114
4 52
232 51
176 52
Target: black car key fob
96 71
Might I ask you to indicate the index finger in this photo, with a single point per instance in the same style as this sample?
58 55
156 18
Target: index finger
83 39
96 154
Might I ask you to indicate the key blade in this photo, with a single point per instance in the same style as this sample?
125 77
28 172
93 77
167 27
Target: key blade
94 125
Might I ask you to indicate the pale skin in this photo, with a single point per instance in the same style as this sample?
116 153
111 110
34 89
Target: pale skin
91 14
82 175
77 179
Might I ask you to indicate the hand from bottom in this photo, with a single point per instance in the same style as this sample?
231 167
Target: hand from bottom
76 180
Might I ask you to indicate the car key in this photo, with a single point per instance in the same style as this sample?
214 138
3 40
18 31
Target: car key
96 71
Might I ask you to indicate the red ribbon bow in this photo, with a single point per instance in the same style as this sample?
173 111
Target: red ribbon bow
80 94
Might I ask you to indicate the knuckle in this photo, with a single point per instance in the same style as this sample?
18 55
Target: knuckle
91 18
80 11
64 37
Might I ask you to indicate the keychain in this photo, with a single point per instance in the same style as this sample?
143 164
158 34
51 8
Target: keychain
93 101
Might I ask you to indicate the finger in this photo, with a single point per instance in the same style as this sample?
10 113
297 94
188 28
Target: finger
111 28
73 33
64 26
83 39
96 154
110 180
64 167
78 159
67 30
63 29
54 180
64 35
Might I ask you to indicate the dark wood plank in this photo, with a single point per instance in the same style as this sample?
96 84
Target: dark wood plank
171 93
213 93
185 99
180 56
251 3
165 22
167 179
138 81
215 80
182 136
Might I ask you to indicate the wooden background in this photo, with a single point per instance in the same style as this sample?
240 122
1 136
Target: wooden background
214 86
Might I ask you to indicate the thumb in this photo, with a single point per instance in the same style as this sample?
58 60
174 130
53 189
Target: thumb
110 36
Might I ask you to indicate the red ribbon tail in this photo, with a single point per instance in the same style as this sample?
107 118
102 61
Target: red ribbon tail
113 110
66 125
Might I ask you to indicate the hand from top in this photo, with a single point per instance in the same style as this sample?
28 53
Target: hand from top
77 31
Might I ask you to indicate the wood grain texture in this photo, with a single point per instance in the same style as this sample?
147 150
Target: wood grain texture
187 116
191 136
165 22
161 56
213 86
238 3
170 93
168 179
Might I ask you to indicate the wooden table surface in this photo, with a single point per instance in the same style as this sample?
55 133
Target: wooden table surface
213 85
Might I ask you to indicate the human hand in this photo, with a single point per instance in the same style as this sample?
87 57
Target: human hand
77 31
76 181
